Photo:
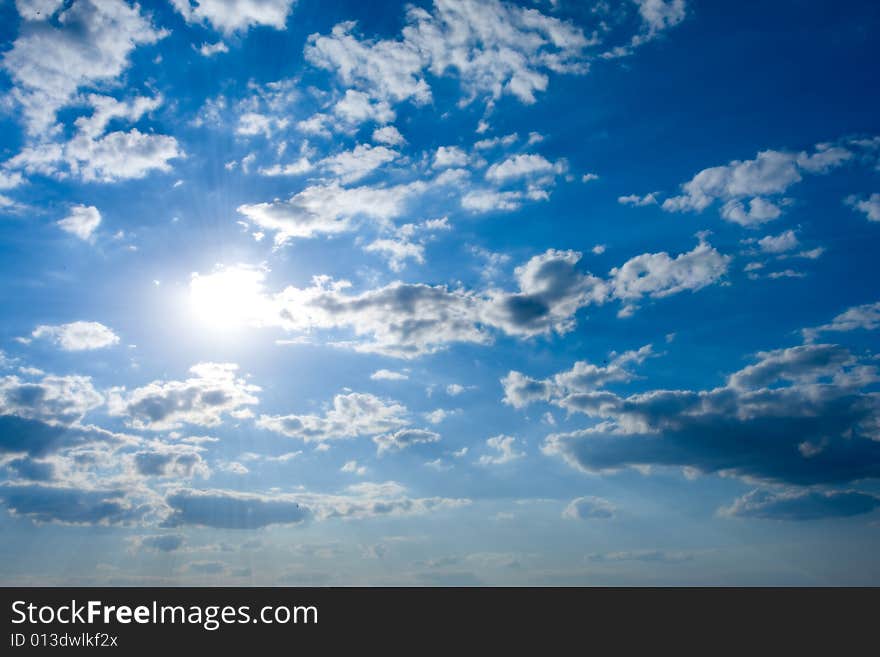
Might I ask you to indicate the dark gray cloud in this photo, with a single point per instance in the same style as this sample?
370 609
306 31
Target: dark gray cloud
815 426
70 505
802 504
231 510
37 438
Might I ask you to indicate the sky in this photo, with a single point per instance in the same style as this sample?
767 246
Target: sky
439 293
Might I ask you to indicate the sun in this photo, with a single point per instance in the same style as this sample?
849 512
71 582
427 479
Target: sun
230 298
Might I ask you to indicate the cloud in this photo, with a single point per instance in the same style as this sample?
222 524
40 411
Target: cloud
407 320
82 221
870 207
659 15
779 243
388 375
449 156
521 390
404 438
586 508
353 414
86 44
865 317
234 510
492 47
388 135
211 49
62 399
638 201
363 159
505 451
770 174
158 543
38 438
174 461
796 416
212 391
230 16
328 209
651 556
659 275
801 504
231 510
78 336
71 506
520 166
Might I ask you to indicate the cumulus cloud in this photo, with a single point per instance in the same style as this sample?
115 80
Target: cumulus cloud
158 542
865 317
799 504
233 510
408 320
62 399
521 390
659 274
87 43
751 191
82 221
69 505
78 336
796 416
404 438
494 48
587 508
213 391
363 159
779 243
172 461
388 135
94 156
235 15
388 375
351 415
504 448
328 209
870 206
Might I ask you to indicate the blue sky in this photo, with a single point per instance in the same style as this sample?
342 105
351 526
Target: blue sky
442 293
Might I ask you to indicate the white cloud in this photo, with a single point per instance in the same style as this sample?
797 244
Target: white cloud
504 448
328 209
870 207
659 275
660 15
78 336
212 391
357 107
779 243
638 201
771 173
449 156
88 43
352 414
403 439
64 399
352 467
388 135
211 49
865 317
520 166
494 48
388 375
82 221
235 15
586 508
351 166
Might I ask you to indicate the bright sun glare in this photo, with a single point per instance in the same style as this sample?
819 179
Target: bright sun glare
229 298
